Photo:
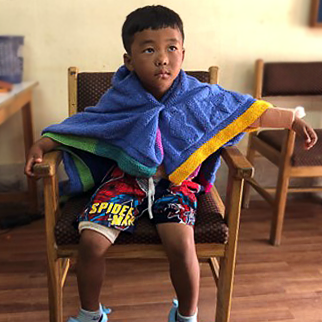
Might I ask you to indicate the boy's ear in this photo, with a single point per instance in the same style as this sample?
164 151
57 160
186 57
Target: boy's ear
128 62
183 53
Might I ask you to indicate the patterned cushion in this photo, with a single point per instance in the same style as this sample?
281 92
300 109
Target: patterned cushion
292 78
210 226
300 157
91 86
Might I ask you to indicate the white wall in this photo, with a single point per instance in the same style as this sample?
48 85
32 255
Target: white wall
230 33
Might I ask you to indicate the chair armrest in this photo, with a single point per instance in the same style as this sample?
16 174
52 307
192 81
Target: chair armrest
48 167
47 170
237 163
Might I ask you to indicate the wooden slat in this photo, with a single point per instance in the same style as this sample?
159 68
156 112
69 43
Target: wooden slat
266 150
19 99
281 189
219 203
215 268
306 171
263 192
13 105
72 90
250 155
214 75
49 166
204 251
259 73
65 268
227 263
28 136
296 189
54 263
238 165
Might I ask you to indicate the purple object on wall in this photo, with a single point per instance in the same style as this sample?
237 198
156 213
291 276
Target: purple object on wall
11 58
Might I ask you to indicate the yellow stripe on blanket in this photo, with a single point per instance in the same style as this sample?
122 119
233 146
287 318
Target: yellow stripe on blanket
239 125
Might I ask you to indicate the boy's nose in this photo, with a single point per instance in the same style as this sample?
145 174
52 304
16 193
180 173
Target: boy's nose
161 60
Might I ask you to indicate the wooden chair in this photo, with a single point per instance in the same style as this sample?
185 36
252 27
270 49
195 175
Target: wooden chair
216 229
282 147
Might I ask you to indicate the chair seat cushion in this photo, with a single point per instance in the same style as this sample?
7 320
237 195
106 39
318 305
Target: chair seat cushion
300 157
210 226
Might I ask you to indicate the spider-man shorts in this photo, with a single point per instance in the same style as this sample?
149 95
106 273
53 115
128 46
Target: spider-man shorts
122 199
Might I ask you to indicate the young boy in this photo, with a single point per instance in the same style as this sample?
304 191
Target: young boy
161 127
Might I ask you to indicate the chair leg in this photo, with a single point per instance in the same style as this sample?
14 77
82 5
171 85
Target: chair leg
215 268
225 289
279 209
247 187
55 292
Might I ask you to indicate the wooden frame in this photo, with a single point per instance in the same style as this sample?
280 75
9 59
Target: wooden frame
316 13
285 169
20 99
222 269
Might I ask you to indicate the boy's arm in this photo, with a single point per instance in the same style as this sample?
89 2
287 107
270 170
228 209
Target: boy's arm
277 117
37 151
301 128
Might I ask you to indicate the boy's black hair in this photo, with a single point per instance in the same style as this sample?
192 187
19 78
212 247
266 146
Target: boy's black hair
149 17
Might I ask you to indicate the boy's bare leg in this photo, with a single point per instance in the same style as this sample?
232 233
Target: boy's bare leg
178 240
91 268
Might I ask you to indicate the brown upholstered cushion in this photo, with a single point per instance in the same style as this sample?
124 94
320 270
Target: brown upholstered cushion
210 226
292 79
300 157
200 75
91 86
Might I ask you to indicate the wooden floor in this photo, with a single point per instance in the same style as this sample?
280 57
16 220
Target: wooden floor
276 284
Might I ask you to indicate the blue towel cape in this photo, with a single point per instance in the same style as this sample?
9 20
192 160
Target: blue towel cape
186 128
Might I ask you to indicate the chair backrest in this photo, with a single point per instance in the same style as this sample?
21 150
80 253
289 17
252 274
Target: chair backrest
86 88
288 78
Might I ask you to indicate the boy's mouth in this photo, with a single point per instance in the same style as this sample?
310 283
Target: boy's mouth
163 74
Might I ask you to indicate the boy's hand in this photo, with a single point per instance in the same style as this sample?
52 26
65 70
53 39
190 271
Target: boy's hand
35 156
305 131
37 152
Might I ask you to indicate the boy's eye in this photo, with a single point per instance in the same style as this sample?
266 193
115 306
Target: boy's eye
148 50
173 48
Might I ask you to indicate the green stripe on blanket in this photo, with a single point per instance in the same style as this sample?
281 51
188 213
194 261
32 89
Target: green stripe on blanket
83 170
97 147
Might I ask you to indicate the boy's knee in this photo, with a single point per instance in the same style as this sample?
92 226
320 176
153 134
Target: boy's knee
182 249
93 245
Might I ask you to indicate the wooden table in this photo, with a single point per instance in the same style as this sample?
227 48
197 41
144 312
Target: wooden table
20 99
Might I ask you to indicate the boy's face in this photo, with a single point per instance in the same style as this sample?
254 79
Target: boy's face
156 57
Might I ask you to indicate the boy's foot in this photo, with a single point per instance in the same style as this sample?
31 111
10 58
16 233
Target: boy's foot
173 312
103 317
174 316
